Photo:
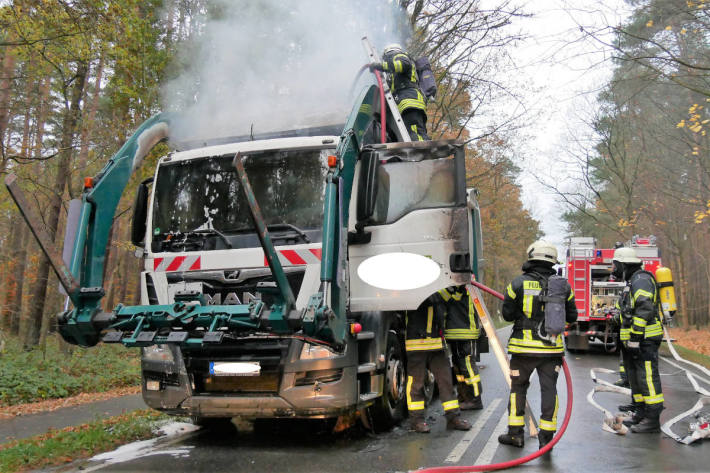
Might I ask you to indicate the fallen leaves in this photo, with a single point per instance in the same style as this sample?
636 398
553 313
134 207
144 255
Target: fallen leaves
696 340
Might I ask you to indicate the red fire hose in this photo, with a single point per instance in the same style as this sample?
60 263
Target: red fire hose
527 458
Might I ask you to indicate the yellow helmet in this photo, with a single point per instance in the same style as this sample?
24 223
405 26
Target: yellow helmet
543 250
626 255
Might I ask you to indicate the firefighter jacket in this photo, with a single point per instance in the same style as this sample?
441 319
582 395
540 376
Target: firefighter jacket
523 307
461 322
640 317
424 326
404 81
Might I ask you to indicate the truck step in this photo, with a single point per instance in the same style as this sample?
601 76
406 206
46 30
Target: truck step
368 397
365 336
366 368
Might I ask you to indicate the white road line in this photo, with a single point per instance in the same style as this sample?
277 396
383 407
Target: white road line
489 450
668 360
465 442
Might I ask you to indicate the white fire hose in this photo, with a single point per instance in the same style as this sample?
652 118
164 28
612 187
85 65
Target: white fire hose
698 430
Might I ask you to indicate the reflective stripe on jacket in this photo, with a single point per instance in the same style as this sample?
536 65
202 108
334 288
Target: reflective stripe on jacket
639 305
424 327
461 323
523 307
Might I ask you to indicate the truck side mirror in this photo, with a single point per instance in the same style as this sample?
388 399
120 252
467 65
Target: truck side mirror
140 213
367 187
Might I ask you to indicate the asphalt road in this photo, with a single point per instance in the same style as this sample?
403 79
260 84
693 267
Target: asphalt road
299 447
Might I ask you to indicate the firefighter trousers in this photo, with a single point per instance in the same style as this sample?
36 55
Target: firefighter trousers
463 354
521 368
644 376
415 121
438 363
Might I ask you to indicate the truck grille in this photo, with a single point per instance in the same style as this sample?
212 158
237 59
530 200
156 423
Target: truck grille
269 353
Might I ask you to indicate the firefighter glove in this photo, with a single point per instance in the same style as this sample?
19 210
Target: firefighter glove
374 65
633 348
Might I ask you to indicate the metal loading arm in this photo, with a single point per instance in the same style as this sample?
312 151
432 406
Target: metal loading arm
83 279
288 301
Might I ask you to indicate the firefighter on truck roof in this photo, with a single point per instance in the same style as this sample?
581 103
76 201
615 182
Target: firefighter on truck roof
425 348
530 347
404 84
461 332
641 334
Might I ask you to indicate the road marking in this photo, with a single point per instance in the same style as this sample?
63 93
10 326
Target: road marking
465 442
489 450
699 378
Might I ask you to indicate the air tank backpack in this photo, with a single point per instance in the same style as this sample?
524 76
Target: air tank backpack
554 297
427 83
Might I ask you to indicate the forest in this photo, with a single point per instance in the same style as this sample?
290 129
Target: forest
77 77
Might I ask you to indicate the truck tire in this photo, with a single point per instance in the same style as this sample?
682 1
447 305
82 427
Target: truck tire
389 409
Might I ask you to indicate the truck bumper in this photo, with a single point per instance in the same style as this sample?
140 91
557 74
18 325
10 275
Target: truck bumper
292 397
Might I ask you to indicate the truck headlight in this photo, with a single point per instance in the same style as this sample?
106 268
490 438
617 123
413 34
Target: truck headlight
316 352
159 352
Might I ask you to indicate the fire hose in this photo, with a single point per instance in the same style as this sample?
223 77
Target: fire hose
527 458
613 423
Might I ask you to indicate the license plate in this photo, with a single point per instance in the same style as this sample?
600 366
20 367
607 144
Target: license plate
228 368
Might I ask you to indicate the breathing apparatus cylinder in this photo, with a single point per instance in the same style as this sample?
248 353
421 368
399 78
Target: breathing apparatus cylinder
666 292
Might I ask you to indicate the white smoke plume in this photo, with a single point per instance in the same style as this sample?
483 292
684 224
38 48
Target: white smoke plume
276 65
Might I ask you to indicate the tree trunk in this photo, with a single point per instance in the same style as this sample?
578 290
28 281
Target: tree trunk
88 125
68 129
7 72
16 313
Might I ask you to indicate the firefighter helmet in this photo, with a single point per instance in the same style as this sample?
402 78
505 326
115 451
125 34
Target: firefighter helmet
392 48
543 250
626 255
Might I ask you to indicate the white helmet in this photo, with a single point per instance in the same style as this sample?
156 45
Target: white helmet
543 250
626 255
392 47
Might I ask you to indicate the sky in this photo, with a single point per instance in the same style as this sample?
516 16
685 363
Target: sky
566 68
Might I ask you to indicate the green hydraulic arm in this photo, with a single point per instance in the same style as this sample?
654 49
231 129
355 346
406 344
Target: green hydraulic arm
324 318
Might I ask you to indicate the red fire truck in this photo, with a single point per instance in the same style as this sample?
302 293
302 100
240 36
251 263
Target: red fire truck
588 271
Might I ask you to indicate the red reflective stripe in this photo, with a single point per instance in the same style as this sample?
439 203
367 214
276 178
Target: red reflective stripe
196 264
292 257
156 263
316 252
175 264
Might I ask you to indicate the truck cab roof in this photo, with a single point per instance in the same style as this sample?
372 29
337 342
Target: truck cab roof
301 142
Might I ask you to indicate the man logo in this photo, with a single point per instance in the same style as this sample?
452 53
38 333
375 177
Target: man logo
232 299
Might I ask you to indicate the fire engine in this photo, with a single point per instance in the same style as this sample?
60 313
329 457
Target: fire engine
596 292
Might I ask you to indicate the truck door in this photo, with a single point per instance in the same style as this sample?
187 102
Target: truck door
409 198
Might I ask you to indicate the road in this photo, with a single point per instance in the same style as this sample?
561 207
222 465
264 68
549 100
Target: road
294 447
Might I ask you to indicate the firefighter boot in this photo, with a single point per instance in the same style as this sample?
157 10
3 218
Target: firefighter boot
455 422
639 414
627 407
514 437
651 423
467 401
544 437
419 425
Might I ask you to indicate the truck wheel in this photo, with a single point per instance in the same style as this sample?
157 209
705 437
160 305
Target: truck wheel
389 409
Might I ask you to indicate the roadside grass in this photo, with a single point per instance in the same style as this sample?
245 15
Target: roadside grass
36 375
58 447
686 353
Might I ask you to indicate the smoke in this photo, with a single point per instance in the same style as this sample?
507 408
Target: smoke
276 65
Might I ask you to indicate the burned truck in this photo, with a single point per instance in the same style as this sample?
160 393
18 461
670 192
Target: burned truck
253 302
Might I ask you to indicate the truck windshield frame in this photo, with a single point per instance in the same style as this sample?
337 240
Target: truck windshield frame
196 195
